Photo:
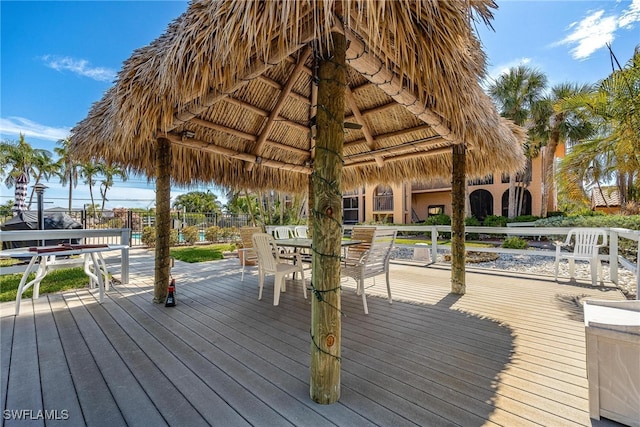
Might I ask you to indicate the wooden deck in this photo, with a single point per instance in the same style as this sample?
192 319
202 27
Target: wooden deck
510 352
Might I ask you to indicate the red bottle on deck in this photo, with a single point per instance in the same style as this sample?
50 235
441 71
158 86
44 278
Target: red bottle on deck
171 298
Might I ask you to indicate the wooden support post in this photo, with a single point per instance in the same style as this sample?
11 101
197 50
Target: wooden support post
326 332
458 285
163 220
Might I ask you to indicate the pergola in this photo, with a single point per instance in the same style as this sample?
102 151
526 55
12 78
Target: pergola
307 96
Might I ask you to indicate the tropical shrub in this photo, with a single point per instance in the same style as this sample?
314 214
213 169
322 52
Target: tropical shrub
440 219
495 221
211 234
191 234
514 242
148 236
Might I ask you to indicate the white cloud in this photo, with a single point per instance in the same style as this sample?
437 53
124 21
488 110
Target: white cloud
80 67
597 29
20 125
590 34
630 16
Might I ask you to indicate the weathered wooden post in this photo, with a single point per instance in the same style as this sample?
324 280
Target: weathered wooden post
163 220
326 324
458 285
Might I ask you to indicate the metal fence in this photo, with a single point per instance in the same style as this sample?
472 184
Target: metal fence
136 220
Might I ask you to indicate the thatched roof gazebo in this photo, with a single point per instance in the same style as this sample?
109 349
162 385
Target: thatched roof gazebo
306 95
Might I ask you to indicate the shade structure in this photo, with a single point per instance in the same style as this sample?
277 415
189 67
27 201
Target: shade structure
232 85
235 93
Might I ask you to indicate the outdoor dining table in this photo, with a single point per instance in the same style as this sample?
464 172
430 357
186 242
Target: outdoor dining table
45 255
304 243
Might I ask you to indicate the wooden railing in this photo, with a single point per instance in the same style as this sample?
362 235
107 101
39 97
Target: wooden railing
552 233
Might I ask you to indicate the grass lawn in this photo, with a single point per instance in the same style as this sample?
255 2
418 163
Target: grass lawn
55 281
201 253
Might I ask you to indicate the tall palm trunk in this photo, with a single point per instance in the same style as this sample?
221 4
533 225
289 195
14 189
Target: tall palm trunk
163 221
458 282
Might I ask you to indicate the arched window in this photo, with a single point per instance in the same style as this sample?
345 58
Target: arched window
523 202
481 202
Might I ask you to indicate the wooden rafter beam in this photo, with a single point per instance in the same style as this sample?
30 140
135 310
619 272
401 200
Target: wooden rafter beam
200 145
388 135
412 155
409 147
193 109
264 113
371 67
365 129
275 112
247 136
274 84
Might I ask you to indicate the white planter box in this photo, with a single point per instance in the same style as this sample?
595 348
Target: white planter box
612 331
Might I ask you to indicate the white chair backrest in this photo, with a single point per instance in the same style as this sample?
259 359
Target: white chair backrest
265 247
377 259
300 231
281 232
586 239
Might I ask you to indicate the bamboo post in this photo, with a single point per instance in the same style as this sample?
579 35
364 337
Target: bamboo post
458 285
163 220
326 333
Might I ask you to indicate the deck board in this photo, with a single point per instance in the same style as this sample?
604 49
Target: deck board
509 352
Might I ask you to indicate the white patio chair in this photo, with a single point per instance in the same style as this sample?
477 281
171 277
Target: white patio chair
281 233
269 263
246 252
300 231
585 248
372 262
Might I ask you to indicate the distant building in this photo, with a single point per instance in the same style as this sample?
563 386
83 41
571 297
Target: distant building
414 202
605 199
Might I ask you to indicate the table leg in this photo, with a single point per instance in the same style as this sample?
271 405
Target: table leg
40 273
96 265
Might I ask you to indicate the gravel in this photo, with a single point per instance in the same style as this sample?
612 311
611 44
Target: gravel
542 265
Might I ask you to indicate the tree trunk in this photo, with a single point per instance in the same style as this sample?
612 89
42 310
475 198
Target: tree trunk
70 190
547 171
163 221
250 207
512 196
326 327
458 283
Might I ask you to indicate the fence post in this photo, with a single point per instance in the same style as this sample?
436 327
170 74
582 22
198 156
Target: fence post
434 244
613 256
124 256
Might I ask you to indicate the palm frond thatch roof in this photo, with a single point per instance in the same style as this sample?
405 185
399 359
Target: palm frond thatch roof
232 85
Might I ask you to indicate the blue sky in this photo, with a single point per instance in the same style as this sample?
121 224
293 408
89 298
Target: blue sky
57 58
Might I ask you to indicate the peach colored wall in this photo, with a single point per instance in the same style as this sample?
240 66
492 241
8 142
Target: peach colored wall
421 201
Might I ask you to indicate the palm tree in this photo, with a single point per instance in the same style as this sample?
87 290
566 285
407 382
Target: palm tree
557 122
68 167
43 167
516 92
19 158
110 172
89 171
614 153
